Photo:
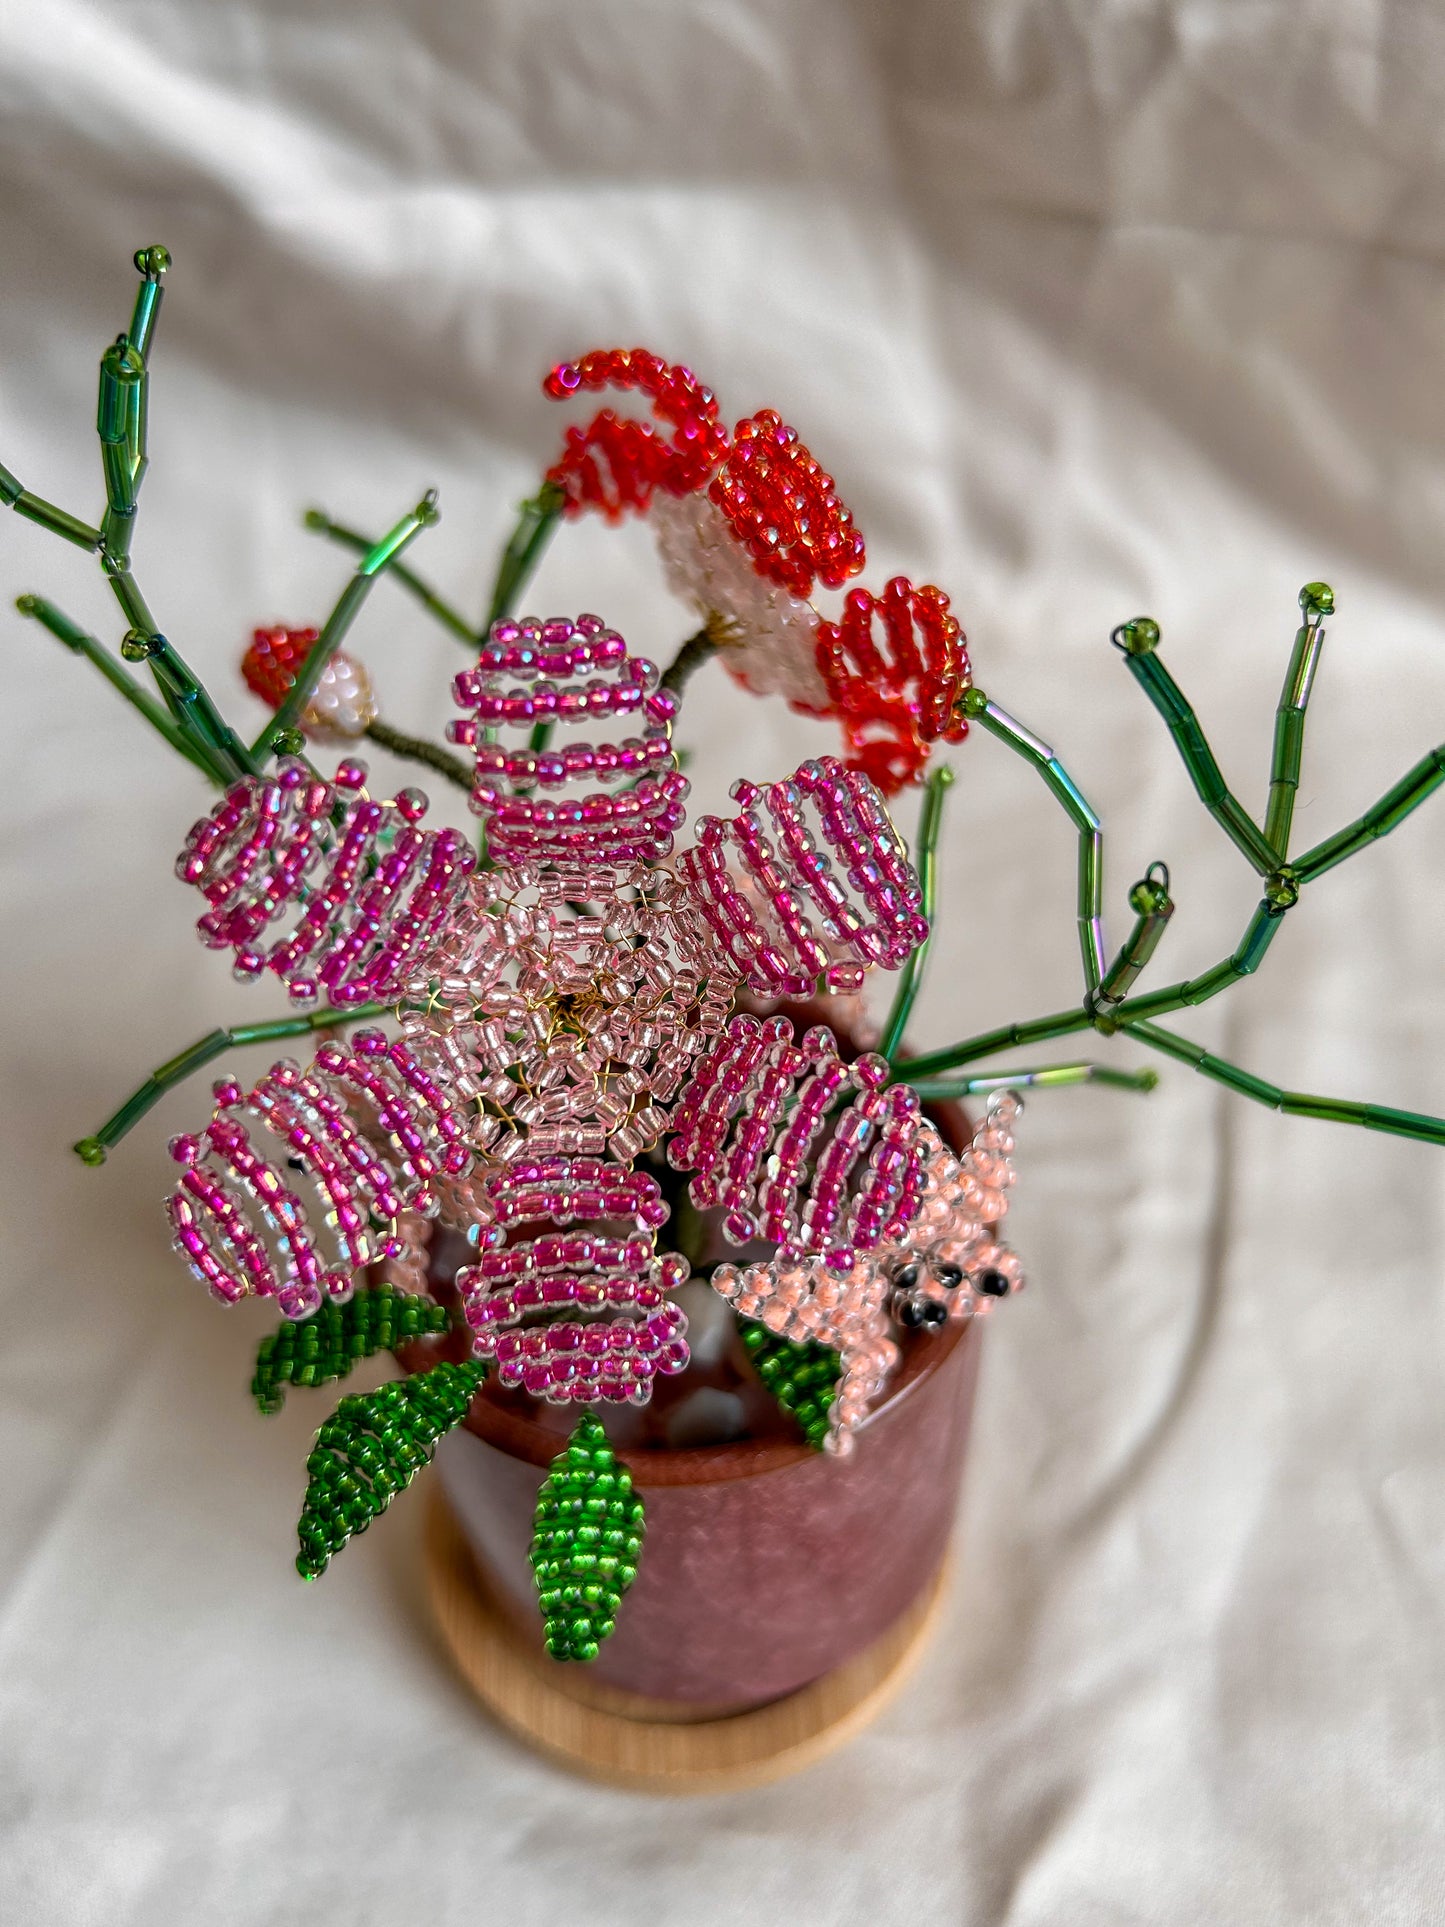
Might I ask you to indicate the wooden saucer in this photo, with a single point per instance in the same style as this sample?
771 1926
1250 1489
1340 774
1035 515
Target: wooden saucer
630 1741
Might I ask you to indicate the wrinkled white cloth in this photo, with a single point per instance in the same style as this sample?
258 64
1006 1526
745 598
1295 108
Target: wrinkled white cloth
1092 311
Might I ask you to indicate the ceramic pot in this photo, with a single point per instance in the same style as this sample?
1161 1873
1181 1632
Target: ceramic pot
766 1564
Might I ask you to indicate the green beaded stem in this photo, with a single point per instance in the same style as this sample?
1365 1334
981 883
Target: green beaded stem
1108 1005
1338 1110
381 555
1317 600
586 1542
1386 815
1085 819
1137 641
1045 1077
327 1345
320 523
537 520
988 1043
46 515
925 862
371 1448
75 638
1243 962
92 1150
802 1378
416 749
1153 907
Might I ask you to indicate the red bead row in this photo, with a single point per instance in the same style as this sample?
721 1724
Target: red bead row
616 463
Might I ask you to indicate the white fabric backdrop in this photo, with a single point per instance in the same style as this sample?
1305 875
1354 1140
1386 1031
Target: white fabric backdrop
1091 310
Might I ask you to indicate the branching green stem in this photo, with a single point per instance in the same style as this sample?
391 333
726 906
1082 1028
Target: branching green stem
92 1150
1108 1007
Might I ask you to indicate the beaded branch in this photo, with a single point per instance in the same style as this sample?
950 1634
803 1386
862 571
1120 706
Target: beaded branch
573 1043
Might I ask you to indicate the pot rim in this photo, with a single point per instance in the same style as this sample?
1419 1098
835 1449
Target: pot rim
524 1438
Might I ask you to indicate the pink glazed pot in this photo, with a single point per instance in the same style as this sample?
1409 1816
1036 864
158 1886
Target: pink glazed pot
766 1564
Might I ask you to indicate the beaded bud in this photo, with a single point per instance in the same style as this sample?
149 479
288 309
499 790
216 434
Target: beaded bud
343 704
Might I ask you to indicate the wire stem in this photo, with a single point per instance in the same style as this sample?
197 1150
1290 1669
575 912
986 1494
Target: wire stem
450 619
697 650
75 638
536 521
1047 1076
1137 642
92 1150
1023 742
1386 815
910 982
1317 600
417 749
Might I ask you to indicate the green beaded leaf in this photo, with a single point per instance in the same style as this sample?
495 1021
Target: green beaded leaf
371 1448
586 1543
325 1346
802 1378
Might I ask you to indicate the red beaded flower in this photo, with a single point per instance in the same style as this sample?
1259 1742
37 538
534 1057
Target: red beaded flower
747 524
895 667
616 463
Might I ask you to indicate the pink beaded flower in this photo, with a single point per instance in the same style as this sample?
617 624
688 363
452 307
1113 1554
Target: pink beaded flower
561 1011
937 1262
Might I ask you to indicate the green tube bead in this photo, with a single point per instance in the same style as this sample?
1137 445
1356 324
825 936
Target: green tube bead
1386 815
47 516
121 368
119 484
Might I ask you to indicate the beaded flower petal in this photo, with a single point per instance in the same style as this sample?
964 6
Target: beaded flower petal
894 668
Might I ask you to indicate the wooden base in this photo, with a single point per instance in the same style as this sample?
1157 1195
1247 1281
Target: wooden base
651 1744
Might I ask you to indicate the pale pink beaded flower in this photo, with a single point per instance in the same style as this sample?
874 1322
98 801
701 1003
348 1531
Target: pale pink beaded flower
561 1011
941 1260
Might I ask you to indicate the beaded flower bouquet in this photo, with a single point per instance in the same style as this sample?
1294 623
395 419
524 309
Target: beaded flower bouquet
589 1072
